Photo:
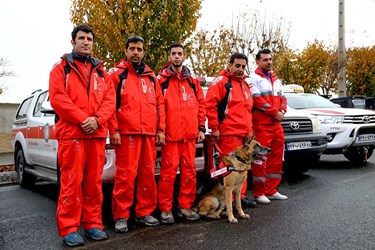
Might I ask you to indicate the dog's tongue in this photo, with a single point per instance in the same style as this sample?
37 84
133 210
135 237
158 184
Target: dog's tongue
262 157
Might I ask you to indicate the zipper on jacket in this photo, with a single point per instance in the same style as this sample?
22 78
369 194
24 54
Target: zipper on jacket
87 78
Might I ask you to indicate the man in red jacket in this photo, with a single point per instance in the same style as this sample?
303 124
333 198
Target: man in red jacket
137 125
185 125
83 101
269 109
228 105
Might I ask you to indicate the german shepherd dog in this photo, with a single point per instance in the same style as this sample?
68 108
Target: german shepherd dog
239 162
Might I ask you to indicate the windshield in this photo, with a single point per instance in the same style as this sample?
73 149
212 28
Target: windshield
304 101
359 103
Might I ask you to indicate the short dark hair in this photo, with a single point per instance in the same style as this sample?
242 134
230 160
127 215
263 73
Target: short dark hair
262 51
84 28
175 45
239 56
134 39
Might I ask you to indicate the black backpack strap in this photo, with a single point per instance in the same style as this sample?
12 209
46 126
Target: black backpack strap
100 73
123 76
223 103
165 84
67 69
192 85
152 79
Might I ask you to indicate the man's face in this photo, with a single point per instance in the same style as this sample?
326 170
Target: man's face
134 53
265 62
177 57
83 43
237 67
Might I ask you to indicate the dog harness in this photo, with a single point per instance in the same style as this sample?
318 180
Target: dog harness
221 169
224 170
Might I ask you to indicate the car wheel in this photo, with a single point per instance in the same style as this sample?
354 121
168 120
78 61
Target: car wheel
24 179
357 155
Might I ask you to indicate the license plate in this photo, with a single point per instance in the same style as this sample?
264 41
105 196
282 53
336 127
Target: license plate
366 137
298 145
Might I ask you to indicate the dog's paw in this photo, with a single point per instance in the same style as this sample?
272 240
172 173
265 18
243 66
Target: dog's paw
233 220
224 213
245 216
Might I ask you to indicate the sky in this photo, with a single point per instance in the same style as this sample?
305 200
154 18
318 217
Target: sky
35 34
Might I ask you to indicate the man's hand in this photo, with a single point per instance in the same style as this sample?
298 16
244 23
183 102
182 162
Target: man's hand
201 136
160 138
90 125
215 135
279 116
115 139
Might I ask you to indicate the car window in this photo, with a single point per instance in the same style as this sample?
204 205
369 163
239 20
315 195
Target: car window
302 101
359 103
38 105
22 112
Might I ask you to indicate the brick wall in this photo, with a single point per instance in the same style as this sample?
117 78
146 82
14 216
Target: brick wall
7 112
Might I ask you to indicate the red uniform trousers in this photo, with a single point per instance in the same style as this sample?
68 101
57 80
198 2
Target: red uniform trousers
227 144
135 158
176 154
80 161
267 176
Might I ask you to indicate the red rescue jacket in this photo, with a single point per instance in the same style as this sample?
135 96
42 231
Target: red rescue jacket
142 103
184 104
268 97
237 115
78 94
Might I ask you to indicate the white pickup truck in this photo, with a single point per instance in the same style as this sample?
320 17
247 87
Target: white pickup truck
350 132
304 141
35 145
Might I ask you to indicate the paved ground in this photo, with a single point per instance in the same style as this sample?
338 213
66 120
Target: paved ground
6 159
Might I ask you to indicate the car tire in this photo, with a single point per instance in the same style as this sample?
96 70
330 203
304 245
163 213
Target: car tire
357 155
25 179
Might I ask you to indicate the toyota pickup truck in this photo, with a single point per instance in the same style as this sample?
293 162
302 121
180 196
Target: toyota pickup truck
304 141
350 131
35 145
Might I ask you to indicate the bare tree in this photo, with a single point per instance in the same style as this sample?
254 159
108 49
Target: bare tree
258 33
4 72
210 51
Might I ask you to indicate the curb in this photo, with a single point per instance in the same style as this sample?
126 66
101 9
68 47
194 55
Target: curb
8 177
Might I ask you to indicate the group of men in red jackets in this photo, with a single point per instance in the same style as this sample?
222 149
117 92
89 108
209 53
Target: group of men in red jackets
141 110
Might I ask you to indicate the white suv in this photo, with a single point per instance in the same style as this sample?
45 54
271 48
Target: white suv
349 131
35 145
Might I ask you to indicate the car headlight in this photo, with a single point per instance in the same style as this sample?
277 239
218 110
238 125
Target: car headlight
330 119
316 125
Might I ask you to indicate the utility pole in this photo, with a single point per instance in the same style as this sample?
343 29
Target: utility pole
342 51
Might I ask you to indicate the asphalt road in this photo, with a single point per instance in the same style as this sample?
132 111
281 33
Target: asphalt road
331 207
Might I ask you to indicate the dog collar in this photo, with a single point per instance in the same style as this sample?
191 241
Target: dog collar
239 158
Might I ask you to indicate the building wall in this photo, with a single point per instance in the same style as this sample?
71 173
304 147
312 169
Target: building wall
7 113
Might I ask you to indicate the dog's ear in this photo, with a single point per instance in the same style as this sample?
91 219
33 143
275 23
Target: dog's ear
246 140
